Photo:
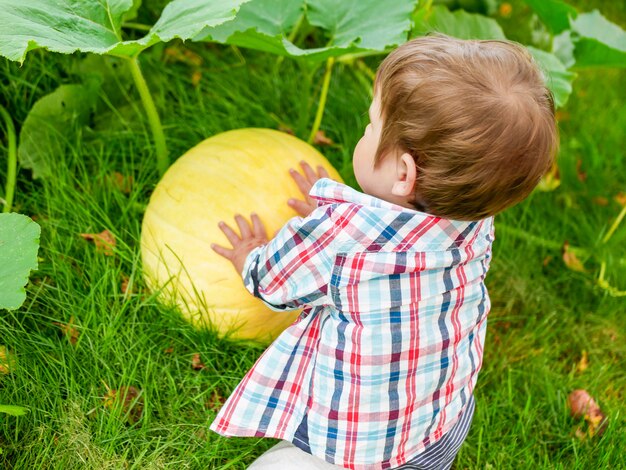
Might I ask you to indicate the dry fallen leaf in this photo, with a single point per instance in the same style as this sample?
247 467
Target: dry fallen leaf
69 331
550 180
505 10
196 76
286 129
169 350
547 260
582 405
561 115
216 401
582 175
7 361
571 260
197 363
181 54
121 182
321 139
104 241
126 286
583 364
128 398
601 201
620 198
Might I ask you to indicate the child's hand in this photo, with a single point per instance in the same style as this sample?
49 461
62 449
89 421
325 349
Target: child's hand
251 237
305 183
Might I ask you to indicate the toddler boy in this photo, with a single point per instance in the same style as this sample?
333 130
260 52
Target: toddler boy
378 371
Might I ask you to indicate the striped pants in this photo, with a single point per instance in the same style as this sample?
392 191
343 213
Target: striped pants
437 456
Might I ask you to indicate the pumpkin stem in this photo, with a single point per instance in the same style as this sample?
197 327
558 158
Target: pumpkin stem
323 96
12 166
153 115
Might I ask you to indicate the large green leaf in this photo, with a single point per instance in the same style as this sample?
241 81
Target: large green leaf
558 78
366 24
13 410
260 24
51 124
59 25
67 26
351 26
19 243
597 41
459 24
555 14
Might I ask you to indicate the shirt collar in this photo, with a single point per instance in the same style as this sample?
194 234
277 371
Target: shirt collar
327 191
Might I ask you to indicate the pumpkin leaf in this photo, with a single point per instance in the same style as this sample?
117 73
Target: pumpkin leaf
351 26
458 24
49 126
555 14
558 78
260 24
67 26
13 410
597 41
60 25
19 244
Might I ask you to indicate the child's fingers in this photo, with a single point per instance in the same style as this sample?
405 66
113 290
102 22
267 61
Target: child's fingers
232 237
308 171
322 173
258 229
220 250
301 207
302 183
244 227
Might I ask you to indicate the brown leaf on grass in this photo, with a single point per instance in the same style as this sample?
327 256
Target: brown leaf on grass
620 198
177 53
582 405
69 331
126 286
571 260
561 115
505 10
169 350
583 364
129 400
121 182
601 201
104 241
550 180
196 76
285 128
321 139
7 361
216 401
582 175
196 362
547 260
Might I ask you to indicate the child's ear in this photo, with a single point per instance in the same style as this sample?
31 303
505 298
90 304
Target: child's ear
406 176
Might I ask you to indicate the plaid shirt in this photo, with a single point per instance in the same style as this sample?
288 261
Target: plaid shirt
384 357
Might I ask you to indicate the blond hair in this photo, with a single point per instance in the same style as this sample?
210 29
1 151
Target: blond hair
475 115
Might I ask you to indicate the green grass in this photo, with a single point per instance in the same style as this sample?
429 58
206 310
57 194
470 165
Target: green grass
543 317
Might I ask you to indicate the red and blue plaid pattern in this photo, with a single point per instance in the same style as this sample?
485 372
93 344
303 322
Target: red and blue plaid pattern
384 357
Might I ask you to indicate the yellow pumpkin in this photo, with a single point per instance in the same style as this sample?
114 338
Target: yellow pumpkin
239 171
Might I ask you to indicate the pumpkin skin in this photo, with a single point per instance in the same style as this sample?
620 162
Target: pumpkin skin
239 171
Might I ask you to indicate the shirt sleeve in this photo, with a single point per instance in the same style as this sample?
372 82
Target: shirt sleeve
294 268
